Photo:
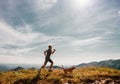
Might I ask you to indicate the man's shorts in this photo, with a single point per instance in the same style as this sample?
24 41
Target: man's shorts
47 59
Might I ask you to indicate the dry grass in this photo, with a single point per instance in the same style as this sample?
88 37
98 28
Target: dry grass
79 76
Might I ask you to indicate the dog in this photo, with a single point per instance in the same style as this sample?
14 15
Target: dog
68 70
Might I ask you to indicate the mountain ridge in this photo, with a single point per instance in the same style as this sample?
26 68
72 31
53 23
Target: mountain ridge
105 63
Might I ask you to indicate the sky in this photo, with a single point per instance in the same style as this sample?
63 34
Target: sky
81 31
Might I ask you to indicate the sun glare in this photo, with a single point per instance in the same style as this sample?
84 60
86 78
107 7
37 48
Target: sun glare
80 3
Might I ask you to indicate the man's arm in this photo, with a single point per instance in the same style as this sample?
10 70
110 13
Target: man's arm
53 51
45 53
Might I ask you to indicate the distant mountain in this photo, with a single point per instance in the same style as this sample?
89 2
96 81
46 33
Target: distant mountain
6 67
106 63
55 67
32 68
18 68
3 67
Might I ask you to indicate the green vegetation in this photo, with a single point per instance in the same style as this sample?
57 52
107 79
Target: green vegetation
84 75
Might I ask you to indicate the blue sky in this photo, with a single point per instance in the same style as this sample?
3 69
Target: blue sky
80 30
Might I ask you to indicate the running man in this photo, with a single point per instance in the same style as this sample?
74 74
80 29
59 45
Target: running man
47 54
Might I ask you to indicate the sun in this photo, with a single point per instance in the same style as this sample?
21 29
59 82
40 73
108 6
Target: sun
80 3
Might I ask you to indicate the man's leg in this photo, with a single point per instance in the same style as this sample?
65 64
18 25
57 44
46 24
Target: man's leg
44 65
39 70
51 65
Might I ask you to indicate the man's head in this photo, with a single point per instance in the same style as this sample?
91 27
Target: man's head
50 47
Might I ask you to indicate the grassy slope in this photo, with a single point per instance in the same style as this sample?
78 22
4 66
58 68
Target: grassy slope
79 76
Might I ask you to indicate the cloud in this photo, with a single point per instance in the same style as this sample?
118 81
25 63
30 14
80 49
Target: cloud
9 35
44 4
74 42
22 36
27 27
119 13
92 21
21 41
19 59
86 41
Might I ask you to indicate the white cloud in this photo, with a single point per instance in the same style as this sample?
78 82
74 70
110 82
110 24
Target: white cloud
73 42
10 59
93 26
119 13
90 21
86 41
44 4
19 60
24 29
22 36
25 39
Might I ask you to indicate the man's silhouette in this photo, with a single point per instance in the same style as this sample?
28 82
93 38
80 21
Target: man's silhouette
47 54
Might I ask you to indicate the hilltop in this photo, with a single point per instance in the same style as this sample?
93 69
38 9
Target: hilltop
84 75
105 63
